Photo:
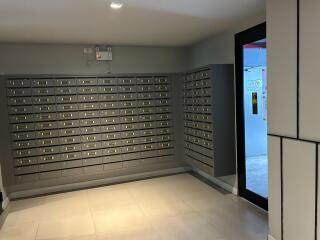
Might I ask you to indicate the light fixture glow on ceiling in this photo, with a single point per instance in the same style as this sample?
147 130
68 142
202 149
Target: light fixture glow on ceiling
116 5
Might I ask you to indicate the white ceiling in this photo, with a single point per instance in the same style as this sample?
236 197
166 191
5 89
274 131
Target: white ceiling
139 22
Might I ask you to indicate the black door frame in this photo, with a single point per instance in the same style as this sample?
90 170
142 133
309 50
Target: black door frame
248 36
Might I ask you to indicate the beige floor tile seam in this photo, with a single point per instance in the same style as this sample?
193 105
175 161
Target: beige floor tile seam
75 196
202 215
151 221
137 202
35 237
91 214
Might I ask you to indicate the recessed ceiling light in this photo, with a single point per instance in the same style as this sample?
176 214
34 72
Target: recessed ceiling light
116 5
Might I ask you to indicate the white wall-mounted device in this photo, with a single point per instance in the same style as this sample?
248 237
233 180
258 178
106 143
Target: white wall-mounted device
103 53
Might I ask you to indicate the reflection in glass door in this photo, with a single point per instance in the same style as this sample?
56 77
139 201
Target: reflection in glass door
251 68
255 114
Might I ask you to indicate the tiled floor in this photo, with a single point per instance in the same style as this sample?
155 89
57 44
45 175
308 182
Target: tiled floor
167 208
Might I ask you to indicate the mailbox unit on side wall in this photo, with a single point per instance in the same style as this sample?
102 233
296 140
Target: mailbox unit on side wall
209 114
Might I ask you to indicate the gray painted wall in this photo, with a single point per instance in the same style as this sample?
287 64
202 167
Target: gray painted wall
70 59
219 49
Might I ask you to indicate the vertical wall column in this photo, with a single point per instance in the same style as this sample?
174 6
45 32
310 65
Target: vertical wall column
282 67
309 70
275 179
294 116
299 164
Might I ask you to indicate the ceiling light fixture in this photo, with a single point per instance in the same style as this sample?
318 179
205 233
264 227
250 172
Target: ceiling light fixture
116 5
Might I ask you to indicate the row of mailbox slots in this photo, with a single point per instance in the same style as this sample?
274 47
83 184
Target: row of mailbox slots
98 135
198 109
106 116
12 92
199 134
51 82
203 131
198 117
207 83
85 153
93 105
91 169
198 101
27 169
206 92
199 156
203 74
106 130
190 126
114 108
203 143
108 155
114 98
199 165
154 104
43 116
93 141
146 121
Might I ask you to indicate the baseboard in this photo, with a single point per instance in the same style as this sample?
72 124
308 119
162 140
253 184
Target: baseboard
270 237
218 182
5 203
95 183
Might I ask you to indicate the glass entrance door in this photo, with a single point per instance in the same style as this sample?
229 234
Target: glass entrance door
251 81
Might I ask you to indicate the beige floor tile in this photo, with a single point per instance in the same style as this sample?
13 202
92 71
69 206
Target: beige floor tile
166 208
23 211
65 204
122 220
245 223
201 202
86 237
26 231
151 192
104 198
135 234
163 208
187 227
68 226
22 216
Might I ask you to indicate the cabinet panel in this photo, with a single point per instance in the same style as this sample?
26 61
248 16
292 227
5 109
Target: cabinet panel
43 83
112 166
50 175
44 108
72 172
68 126
19 83
43 92
19 92
66 82
107 81
13 101
92 161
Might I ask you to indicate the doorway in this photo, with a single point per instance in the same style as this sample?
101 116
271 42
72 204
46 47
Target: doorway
251 95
